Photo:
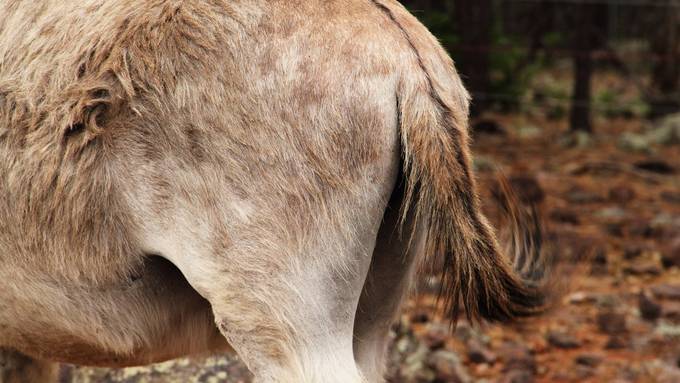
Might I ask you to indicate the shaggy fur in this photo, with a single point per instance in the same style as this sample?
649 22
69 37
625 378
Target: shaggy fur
177 173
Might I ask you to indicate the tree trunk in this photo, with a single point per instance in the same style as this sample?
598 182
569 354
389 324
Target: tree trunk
474 22
590 30
580 119
665 46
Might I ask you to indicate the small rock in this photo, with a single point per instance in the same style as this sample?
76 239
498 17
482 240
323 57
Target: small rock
643 268
416 372
528 132
562 340
668 330
665 221
517 357
633 251
667 132
565 216
632 142
621 194
403 326
641 228
592 360
404 345
670 257
655 166
599 262
448 367
436 335
478 353
578 139
612 213
662 371
582 297
413 366
612 323
617 342
608 302
671 311
420 317
582 140
579 195
666 291
649 308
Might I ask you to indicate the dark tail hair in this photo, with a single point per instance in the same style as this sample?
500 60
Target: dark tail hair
441 191
490 283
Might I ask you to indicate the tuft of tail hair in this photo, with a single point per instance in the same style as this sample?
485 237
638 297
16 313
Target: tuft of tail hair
489 281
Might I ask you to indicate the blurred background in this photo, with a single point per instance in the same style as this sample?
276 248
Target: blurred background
578 59
578 103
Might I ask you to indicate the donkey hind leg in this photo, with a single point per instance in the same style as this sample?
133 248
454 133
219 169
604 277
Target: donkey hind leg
287 307
19 368
388 282
292 326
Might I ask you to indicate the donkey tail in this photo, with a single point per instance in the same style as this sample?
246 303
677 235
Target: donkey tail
442 194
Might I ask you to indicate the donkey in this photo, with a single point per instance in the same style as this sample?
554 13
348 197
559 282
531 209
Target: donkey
264 177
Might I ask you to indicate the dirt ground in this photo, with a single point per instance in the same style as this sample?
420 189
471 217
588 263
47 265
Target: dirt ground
611 199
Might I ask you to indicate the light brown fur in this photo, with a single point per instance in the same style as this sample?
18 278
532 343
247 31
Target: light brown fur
252 146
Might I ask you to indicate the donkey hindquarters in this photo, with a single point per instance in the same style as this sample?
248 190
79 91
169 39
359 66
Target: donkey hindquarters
255 145
294 153
292 156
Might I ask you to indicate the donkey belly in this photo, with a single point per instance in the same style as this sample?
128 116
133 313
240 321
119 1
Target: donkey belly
152 317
